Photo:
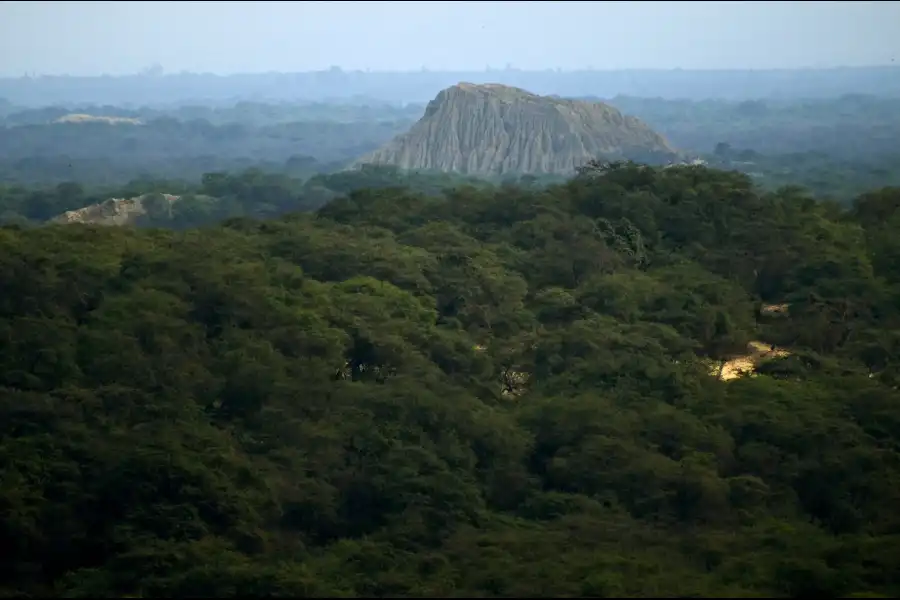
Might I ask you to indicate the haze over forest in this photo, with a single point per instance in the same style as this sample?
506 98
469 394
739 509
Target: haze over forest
449 299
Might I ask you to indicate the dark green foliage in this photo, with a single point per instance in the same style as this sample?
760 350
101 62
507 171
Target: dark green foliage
495 392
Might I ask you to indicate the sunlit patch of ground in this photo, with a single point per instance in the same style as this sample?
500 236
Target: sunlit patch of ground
774 309
746 364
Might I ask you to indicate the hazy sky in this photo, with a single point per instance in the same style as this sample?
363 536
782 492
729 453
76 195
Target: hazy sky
226 37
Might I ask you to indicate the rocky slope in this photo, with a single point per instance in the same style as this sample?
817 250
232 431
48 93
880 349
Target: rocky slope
115 211
83 118
494 129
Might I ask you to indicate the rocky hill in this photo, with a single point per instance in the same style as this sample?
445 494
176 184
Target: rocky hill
84 118
494 129
115 211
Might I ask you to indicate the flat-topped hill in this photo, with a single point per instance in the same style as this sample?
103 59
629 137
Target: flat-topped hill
492 129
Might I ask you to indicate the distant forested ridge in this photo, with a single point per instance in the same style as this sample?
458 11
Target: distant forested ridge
338 85
836 146
848 127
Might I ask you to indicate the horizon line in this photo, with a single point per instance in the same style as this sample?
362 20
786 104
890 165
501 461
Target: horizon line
147 72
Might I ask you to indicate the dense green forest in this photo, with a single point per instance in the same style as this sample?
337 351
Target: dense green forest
853 127
836 147
99 153
825 176
494 391
112 145
253 114
218 196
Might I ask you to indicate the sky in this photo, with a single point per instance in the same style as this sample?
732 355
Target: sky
93 38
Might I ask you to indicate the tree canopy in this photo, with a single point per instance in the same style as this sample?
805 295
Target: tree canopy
492 391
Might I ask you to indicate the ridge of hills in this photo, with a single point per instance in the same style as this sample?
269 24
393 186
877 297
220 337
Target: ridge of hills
493 129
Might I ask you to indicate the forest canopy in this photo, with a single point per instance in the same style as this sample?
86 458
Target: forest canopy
486 391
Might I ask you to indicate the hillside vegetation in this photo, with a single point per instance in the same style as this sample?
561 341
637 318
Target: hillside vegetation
492 392
110 146
217 196
852 127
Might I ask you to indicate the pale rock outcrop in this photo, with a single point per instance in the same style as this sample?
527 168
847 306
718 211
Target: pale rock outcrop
495 129
83 118
115 211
